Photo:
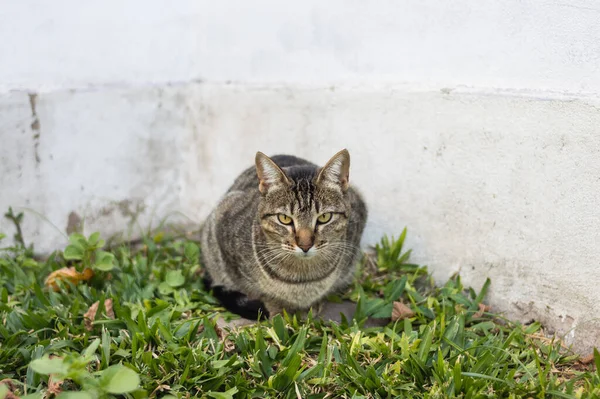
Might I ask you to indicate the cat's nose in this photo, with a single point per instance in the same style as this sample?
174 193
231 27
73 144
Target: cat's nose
305 248
304 239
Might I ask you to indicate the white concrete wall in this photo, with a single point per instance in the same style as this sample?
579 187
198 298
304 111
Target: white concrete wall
475 124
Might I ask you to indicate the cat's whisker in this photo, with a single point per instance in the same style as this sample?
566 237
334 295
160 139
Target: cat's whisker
266 250
268 257
276 257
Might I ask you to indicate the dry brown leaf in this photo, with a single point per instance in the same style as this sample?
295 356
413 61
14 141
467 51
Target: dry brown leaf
482 308
12 387
223 335
54 387
228 345
90 315
10 395
587 359
67 274
87 274
108 307
220 332
400 311
160 388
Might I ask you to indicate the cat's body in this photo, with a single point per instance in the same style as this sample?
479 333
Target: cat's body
286 233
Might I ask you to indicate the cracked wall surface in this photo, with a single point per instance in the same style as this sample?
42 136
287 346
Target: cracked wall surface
477 126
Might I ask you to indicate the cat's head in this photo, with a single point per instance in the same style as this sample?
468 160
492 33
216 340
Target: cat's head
304 209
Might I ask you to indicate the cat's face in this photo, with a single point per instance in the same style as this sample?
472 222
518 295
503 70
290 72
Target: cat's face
303 211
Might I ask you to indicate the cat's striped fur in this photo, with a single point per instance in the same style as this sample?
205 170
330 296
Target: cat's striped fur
252 258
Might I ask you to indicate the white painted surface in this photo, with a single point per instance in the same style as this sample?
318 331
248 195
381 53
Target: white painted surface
475 125
550 45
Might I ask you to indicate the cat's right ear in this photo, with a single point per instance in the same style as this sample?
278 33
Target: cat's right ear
269 174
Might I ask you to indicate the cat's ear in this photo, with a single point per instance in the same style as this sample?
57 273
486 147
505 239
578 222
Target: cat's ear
336 170
269 174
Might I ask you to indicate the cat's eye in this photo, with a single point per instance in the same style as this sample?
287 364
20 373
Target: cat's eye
324 218
284 219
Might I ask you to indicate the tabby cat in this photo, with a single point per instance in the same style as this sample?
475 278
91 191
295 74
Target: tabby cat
285 235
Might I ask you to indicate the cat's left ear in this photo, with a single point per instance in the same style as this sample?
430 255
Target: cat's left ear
269 174
336 170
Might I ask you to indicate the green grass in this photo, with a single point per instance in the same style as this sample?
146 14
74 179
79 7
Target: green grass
164 342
